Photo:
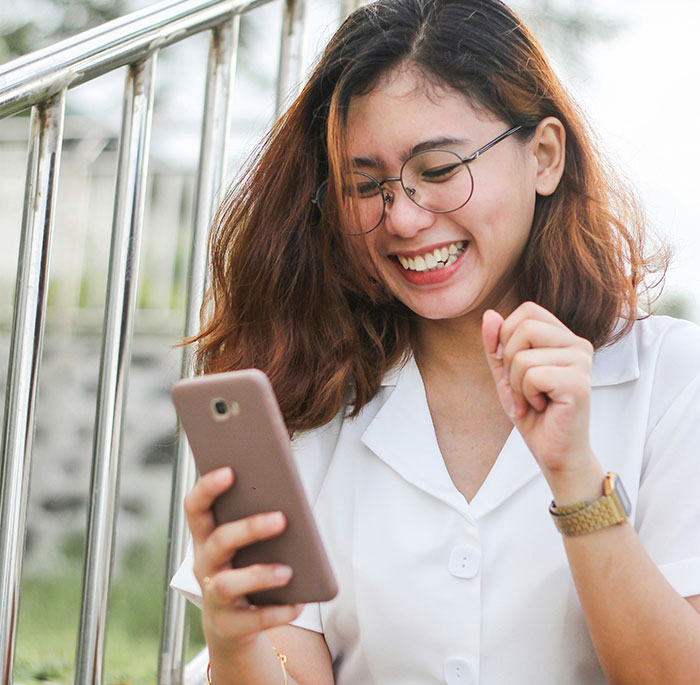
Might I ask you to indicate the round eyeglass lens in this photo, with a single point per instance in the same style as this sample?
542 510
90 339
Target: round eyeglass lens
363 198
437 180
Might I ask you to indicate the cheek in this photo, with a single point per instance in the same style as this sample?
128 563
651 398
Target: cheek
507 209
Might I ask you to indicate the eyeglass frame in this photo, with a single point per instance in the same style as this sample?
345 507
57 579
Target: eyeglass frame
388 195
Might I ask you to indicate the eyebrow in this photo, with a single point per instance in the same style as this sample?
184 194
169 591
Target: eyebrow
433 143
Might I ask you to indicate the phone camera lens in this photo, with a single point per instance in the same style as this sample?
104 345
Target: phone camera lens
220 407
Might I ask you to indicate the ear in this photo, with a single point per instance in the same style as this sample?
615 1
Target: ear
550 150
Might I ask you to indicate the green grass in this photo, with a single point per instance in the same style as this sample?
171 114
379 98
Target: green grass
50 612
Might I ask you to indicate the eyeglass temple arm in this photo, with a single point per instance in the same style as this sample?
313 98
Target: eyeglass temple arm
488 146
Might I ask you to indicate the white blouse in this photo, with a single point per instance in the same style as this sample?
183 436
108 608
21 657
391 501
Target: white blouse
435 589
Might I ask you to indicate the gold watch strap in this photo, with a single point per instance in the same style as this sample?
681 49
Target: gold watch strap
588 518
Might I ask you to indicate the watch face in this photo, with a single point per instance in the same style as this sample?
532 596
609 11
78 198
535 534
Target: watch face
622 496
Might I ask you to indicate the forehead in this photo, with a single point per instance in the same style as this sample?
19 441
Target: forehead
405 108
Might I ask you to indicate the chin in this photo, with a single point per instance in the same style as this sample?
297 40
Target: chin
441 310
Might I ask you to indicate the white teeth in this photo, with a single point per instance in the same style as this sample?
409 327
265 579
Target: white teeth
439 258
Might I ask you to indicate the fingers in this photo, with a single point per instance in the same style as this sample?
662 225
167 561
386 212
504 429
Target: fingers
216 552
233 623
523 384
528 311
228 586
226 609
227 613
560 384
199 500
491 324
532 339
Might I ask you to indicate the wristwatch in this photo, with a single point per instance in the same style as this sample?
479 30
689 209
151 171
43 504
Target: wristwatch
586 517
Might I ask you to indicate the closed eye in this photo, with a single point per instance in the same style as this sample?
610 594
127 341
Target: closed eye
440 173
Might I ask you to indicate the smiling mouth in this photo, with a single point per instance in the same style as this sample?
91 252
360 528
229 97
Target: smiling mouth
439 258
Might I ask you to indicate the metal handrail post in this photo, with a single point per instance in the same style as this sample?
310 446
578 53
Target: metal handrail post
29 315
291 63
210 186
116 353
115 44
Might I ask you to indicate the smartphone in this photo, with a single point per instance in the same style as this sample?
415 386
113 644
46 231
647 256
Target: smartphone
233 419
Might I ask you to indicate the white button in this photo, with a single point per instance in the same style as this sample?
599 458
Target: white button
458 671
464 562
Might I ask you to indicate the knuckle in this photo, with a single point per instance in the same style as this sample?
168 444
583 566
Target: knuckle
198 571
220 623
253 527
529 307
517 361
226 536
529 326
586 346
188 504
259 572
218 537
274 616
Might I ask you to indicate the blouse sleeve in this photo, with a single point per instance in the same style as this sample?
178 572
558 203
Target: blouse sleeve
184 581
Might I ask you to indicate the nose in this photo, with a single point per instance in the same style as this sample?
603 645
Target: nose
402 216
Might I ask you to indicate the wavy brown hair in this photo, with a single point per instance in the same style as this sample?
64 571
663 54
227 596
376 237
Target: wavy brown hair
286 294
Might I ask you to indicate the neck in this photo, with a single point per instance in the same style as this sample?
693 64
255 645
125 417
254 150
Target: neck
454 347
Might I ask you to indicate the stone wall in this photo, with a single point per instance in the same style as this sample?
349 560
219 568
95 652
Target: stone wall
61 459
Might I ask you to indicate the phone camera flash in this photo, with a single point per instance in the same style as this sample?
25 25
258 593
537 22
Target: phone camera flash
235 409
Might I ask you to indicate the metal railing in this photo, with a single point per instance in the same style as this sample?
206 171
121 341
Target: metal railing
40 81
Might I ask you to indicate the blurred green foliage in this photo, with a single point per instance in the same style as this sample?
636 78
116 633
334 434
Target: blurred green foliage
50 613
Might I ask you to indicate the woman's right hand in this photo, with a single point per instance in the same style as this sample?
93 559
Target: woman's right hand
227 616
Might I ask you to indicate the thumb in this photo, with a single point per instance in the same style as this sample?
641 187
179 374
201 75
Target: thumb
491 324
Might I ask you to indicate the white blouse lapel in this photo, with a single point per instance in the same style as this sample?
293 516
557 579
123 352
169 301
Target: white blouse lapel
402 435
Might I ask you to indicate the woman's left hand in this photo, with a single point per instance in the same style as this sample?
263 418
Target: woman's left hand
542 372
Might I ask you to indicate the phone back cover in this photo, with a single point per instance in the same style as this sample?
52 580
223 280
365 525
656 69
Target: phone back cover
256 444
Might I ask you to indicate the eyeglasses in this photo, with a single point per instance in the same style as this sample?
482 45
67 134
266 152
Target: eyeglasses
440 181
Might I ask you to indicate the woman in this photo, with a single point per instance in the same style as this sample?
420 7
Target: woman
450 322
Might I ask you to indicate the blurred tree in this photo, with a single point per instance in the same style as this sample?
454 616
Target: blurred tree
567 28
42 22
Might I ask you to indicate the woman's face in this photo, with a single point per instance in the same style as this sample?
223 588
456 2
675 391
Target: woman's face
402 114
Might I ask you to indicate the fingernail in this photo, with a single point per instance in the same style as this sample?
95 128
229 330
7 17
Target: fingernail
499 351
282 572
222 475
274 519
